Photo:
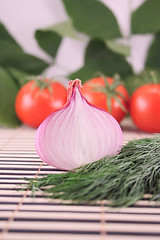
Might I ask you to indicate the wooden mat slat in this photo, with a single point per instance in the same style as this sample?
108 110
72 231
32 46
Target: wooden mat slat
20 236
83 216
83 227
27 218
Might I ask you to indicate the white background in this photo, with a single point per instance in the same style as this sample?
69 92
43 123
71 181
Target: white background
23 17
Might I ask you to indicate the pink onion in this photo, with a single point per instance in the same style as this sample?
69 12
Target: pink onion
77 134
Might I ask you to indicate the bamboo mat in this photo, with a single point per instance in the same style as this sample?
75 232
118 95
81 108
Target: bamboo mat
23 217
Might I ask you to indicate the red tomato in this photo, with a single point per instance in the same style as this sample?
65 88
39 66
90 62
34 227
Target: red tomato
99 98
145 108
33 104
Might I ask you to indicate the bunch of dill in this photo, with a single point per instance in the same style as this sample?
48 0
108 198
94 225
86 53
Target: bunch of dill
122 179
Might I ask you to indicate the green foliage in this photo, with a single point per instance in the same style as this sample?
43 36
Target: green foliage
6 37
49 41
93 18
13 56
64 29
8 91
99 58
132 82
118 48
146 19
153 58
20 77
123 179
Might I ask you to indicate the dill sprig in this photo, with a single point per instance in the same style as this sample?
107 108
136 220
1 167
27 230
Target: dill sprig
122 179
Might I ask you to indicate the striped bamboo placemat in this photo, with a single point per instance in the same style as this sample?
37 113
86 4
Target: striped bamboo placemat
23 217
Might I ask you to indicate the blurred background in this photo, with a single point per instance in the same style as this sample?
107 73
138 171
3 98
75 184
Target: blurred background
23 18
71 38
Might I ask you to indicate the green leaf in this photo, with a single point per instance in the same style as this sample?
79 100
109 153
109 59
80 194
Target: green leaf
11 56
5 36
146 19
118 48
153 58
99 58
8 91
64 29
49 39
19 76
93 18
132 82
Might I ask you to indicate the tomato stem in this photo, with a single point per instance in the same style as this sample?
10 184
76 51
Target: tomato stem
110 91
154 77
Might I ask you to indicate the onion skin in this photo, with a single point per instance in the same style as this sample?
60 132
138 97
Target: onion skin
77 134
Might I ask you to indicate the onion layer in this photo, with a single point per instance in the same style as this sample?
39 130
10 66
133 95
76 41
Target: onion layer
77 134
